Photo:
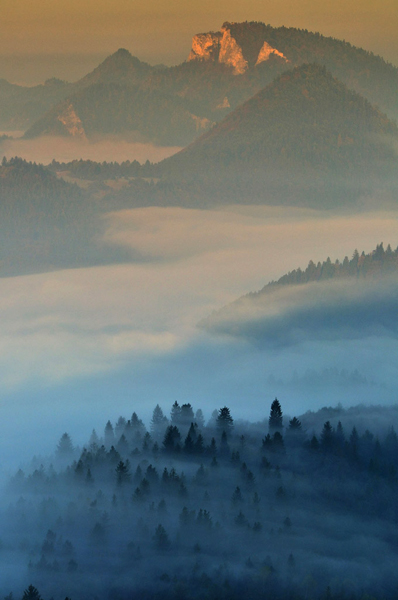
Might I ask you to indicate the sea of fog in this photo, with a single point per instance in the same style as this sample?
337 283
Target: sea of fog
81 346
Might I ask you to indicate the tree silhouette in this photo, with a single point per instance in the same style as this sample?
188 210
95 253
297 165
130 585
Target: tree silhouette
122 472
275 420
31 593
65 446
224 420
161 538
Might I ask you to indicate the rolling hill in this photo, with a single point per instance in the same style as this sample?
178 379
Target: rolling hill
46 223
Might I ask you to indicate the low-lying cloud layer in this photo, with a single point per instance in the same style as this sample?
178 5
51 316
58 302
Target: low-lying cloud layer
59 325
63 149
101 341
328 310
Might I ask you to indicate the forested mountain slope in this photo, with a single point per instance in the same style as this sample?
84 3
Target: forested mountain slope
46 223
352 299
305 139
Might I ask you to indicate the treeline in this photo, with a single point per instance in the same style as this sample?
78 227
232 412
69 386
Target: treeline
88 169
21 180
188 509
47 223
378 262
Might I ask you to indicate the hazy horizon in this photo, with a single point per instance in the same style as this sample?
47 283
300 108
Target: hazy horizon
37 42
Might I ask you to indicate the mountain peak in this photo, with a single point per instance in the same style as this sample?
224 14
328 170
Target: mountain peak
237 45
122 52
120 67
305 128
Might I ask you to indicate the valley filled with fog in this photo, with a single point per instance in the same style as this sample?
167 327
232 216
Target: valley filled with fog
79 343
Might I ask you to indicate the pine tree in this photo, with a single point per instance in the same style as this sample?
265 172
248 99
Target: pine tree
224 420
109 436
327 436
161 538
186 415
122 472
275 420
172 437
158 421
175 413
31 593
65 446
295 424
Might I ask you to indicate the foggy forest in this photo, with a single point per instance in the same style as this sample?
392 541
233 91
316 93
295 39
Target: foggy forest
283 507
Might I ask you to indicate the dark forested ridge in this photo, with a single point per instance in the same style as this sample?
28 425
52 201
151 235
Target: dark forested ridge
91 170
288 507
47 223
27 180
194 94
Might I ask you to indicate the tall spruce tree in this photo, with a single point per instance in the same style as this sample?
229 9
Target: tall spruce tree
275 420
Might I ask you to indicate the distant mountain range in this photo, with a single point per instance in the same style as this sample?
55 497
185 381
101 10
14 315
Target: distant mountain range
305 139
174 105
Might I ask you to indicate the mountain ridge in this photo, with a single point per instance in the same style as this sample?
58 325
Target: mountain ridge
351 299
305 136
236 63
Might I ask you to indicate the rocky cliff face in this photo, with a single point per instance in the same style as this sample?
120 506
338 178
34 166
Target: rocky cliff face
231 53
266 51
222 47
205 46
71 122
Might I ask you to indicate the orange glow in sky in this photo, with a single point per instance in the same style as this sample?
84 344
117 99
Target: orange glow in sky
161 31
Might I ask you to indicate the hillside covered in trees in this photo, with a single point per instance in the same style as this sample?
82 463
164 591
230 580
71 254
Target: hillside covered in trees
374 264
304 139
355 298
47 223
286 507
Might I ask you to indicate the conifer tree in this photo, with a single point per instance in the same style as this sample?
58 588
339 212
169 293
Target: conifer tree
224 420
275 420
31 593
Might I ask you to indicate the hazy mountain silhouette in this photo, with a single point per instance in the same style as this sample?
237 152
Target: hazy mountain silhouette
352 299
224 69
299 140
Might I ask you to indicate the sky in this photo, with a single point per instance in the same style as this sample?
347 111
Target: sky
68 38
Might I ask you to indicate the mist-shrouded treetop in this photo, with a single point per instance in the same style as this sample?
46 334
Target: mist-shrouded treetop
31 593
275 420
65 446
224 421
